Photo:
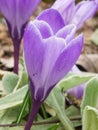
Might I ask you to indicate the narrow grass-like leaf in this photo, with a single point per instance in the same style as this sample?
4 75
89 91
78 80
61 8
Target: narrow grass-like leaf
21 112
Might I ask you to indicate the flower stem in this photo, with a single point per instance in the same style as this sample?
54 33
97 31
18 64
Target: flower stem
33 112
16 44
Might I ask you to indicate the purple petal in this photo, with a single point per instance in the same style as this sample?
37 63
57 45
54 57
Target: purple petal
67 59
84 10
96 2
77 91
33 53
68 32
17 12
65 8
44 28
40 56
53 18
64 63
24 9
53 47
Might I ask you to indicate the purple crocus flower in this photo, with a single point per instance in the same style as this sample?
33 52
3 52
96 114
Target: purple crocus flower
76 14
96 1
54 19
49 54
70 29
78 90
17 13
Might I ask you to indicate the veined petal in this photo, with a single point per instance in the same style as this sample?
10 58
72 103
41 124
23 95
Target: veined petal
8 9
24 9
65 8
33 53
53 47
84 10
17 13
40 57
66 59
44 28
68 32
53 18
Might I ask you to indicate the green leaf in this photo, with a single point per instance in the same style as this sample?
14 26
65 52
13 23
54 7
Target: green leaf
72 111
74 80
37 127
9 82
54 127
50 110
23 80
90 118
41 127
56 101
90 97
8 116
12 128
23 107
77 123
13 99
48 126
34 127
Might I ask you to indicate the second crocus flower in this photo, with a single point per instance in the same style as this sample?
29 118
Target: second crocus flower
76 14
17 14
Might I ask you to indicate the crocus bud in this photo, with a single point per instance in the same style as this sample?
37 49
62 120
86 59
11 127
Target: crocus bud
17 14
49 57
